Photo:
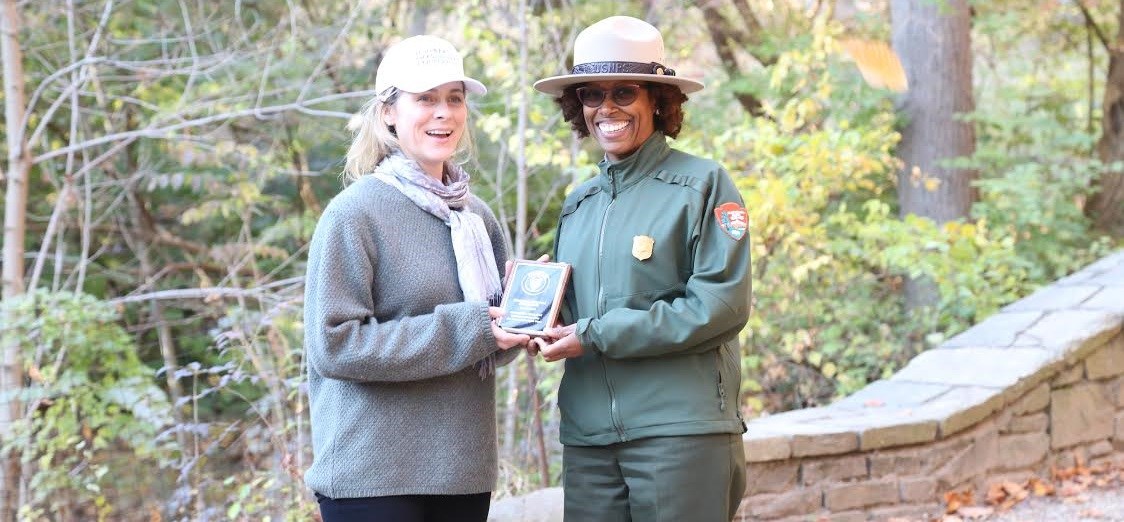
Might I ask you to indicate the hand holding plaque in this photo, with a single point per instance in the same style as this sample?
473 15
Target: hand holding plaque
533 296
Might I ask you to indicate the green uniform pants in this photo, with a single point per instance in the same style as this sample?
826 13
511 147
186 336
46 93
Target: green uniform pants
697 478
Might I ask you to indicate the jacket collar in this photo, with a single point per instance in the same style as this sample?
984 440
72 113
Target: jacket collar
617 176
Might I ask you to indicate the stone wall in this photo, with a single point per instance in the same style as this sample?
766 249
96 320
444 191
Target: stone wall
1039 384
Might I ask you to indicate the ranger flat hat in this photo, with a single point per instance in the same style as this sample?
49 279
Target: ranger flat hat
618 48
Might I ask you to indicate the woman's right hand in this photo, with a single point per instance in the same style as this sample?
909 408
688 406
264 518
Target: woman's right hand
504 339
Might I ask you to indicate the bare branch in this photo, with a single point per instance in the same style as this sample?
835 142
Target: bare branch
207 294
328 53
194 52
75 84
1092 25
724 35
163 132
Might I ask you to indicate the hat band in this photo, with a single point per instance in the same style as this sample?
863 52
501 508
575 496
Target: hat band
622 68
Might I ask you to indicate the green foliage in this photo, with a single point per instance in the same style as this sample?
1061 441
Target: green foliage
826 317
1038 126
831 255
94 408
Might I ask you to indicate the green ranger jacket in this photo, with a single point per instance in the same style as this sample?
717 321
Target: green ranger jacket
659 291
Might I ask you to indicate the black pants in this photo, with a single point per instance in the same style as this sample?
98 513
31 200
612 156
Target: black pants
406 508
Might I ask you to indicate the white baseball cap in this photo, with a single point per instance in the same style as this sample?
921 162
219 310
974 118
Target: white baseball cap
420 63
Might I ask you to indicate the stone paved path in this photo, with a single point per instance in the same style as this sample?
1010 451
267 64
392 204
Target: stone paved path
1094 505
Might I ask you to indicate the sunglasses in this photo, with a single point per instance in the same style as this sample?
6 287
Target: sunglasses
622 95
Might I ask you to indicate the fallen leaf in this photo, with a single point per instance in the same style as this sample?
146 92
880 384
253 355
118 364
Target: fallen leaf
1039 487
1016 491
996 494
1062 474
954 500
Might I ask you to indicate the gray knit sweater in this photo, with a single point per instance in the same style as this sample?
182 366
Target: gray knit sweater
398 406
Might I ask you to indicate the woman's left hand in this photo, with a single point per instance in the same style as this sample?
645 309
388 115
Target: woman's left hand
566 344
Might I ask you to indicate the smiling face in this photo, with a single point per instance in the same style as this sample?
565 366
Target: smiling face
620 130
430 125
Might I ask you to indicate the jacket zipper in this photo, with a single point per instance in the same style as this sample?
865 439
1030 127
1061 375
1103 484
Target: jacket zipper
614 413
721 388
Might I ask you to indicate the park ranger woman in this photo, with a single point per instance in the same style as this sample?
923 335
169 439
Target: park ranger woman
660 290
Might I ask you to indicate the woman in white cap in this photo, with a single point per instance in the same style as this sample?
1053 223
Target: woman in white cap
403 275
659 291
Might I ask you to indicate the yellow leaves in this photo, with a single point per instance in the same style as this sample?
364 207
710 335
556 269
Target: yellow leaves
801 271
497 68
877 63
829 370
799 113
964 239
977 233
494 125
919 178
247 193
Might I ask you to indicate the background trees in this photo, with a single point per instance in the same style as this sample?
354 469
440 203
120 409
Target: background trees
1106 206
15 212
178 154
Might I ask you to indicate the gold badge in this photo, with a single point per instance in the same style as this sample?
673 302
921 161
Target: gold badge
642 247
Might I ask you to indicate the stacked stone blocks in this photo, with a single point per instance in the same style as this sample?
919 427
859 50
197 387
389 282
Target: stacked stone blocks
1036 386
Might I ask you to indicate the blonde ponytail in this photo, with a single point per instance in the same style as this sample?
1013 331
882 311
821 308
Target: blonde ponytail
372 139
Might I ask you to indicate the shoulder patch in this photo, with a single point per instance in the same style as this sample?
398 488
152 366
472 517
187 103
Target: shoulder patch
732 219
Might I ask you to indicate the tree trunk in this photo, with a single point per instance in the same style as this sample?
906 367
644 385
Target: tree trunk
15 213
933 40
1106 207
728 37
521 228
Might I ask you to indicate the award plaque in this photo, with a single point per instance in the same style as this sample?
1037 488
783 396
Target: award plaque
533 296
